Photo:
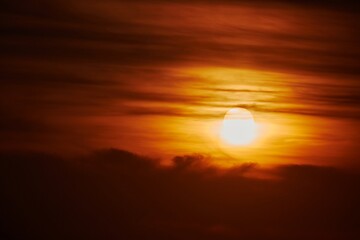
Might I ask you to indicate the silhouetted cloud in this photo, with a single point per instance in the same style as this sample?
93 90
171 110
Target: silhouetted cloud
116 194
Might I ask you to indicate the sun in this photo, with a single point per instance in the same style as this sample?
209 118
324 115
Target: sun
238 127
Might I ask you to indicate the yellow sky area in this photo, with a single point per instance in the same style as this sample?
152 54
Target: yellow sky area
284 135
183 114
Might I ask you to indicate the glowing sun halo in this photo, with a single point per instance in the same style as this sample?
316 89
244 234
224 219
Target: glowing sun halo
238 127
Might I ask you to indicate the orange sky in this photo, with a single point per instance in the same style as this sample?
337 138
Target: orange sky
157 78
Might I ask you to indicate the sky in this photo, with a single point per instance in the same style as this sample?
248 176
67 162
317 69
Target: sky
82 75
150 82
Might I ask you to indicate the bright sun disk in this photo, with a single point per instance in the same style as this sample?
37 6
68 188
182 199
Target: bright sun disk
238 127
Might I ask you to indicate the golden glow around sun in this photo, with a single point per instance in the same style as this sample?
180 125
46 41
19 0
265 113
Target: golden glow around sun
238 127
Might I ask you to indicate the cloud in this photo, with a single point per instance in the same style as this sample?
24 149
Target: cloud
116 194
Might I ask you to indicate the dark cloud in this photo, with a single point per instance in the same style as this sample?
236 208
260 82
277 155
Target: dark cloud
115 194
55 32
